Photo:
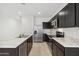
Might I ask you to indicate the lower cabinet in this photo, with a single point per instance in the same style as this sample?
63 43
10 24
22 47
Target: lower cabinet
22 50
54 50
57 50
29 45
9 51
50 45
45 38
25 48
60 53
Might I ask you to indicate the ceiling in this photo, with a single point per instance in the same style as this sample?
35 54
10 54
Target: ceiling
30 9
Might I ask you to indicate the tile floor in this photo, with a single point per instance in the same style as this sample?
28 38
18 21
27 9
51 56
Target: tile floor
40 49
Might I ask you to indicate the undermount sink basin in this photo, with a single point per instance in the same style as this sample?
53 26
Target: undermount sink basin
24 36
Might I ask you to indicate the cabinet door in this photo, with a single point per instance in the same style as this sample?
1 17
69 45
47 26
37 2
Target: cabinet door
77 14
46 25
70 15
54 52
67 16
62 18
45 38
59 52
57 49
29 45
9 51
26 48
23 49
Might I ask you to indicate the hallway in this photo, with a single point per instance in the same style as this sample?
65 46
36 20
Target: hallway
40 49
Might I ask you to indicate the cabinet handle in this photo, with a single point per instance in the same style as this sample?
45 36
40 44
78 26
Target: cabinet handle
4 54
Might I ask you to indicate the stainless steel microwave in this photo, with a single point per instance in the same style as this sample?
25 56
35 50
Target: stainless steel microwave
54 23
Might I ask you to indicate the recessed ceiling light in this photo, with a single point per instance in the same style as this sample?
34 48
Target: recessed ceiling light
22 4
61 30
19 13
39 13
62 13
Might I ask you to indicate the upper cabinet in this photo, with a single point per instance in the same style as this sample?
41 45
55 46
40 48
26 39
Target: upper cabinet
66 16
46 25
77 14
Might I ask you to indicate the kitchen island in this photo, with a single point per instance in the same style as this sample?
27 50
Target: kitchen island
16 47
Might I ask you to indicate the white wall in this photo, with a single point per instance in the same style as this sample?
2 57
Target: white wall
39 20
10 23
9 28
27 25
12 26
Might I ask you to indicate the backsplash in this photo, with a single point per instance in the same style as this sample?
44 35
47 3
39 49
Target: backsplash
47 31
72 32
69 32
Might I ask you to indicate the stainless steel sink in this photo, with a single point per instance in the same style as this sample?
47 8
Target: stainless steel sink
23 36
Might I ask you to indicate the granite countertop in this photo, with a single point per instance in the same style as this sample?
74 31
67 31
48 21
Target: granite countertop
12 43
67 41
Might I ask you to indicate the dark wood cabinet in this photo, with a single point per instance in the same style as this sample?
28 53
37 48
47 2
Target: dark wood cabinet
46 25
29 45
54 50
9 51
62 18
45 38
67 16
50 45
48 41
77 14
22 50
59 52
25 48
57 49
70 15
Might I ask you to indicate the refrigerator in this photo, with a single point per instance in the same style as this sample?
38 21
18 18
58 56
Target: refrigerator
38 34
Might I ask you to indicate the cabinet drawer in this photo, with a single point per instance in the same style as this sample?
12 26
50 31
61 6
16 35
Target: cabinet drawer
58 49
59 46
4 53
9 52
